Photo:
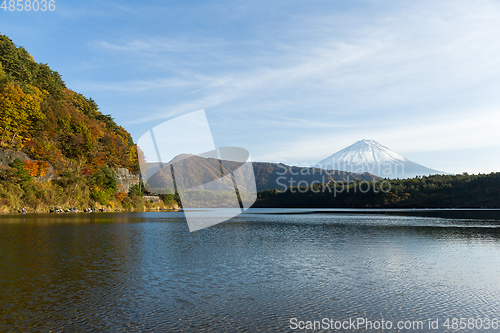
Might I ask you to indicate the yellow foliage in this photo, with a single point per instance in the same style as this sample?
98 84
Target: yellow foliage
37 168
120 196
20 111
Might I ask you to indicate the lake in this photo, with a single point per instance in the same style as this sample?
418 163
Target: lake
268 270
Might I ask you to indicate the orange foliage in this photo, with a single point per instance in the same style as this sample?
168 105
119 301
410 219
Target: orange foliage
42 117
36 168
120 195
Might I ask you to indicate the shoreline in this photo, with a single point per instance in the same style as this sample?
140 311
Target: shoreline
81 211
452 213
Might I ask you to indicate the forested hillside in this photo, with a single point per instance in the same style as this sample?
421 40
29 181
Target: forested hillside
267 175
438 191
50 123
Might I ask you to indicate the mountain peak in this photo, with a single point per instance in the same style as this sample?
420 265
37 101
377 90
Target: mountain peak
370 156
365 151
368 141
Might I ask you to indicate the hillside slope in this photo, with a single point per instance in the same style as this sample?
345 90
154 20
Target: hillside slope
43 118
56 148
267 175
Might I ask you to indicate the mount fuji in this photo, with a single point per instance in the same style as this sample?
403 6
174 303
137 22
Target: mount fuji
370 156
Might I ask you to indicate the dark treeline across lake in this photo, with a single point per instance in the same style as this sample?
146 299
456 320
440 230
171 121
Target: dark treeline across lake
139 272
436 191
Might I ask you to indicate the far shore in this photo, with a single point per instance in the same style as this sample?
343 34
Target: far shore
445 213
80 211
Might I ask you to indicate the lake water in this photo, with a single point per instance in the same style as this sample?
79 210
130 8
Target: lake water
263 271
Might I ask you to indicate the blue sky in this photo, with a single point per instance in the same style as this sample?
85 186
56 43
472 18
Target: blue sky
290 81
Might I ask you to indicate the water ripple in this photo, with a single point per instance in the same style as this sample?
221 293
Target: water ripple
144 272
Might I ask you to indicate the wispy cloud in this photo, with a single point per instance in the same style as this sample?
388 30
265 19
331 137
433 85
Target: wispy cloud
216 84
464 131
167 112
135 86
400 62
156 45
306 80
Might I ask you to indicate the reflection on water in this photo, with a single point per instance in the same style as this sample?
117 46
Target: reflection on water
146 272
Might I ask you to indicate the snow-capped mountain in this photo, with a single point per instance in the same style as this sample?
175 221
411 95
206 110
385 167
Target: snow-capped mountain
370 156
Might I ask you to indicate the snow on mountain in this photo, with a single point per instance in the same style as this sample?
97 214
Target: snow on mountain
370 156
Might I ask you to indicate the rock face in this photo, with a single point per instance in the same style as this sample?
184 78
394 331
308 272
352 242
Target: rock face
125 180
8 156
153 198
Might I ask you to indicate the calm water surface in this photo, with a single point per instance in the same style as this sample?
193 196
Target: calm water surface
139 272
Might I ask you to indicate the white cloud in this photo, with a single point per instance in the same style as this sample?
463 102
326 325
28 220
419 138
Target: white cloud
216 84
177 110
416 76
134 86
462 132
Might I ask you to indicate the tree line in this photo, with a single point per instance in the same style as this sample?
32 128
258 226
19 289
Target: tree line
436 191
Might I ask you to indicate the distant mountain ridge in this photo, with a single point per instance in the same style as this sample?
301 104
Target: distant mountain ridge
268 176
370 156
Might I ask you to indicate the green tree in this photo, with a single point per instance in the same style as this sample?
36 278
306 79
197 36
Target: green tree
104 178
18 173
